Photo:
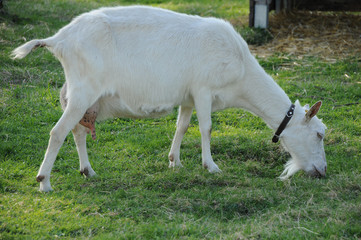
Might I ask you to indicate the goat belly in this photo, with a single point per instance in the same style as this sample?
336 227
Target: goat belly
114 106
150 111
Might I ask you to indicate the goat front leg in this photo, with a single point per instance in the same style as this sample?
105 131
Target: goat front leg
184 118
79 133
203 104
71 116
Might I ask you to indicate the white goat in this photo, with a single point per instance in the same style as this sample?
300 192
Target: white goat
141 62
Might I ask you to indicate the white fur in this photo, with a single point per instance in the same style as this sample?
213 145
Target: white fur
142 62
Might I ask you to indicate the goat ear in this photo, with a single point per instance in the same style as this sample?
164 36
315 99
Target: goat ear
313 111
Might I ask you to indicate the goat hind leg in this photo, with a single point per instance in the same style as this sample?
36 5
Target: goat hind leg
80 132
71 116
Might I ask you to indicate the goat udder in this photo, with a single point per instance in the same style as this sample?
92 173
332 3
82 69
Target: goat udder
88 121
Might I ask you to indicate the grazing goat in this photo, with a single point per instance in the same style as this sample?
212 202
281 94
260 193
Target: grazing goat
141 62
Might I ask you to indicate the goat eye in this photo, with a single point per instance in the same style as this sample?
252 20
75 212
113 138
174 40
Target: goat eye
320 135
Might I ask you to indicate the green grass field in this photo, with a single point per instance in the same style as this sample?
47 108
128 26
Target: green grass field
135 195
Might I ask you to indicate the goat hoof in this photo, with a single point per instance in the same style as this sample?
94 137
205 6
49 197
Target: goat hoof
175 165
212 168
174 161
45 189
45 185
87 172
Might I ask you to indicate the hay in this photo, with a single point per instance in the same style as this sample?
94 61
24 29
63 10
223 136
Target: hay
327 35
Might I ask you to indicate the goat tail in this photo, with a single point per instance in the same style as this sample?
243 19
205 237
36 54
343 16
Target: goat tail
26 48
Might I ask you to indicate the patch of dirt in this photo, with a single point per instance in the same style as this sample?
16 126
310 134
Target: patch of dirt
329 35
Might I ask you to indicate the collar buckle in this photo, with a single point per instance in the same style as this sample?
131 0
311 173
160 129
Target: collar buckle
284 123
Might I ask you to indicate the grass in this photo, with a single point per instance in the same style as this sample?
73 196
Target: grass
135 195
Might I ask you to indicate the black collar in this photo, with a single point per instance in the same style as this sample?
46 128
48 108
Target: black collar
284 123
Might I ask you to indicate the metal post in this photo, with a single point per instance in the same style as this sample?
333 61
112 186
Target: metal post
261 10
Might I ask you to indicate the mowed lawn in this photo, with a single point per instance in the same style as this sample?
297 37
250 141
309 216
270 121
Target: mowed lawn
135 195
